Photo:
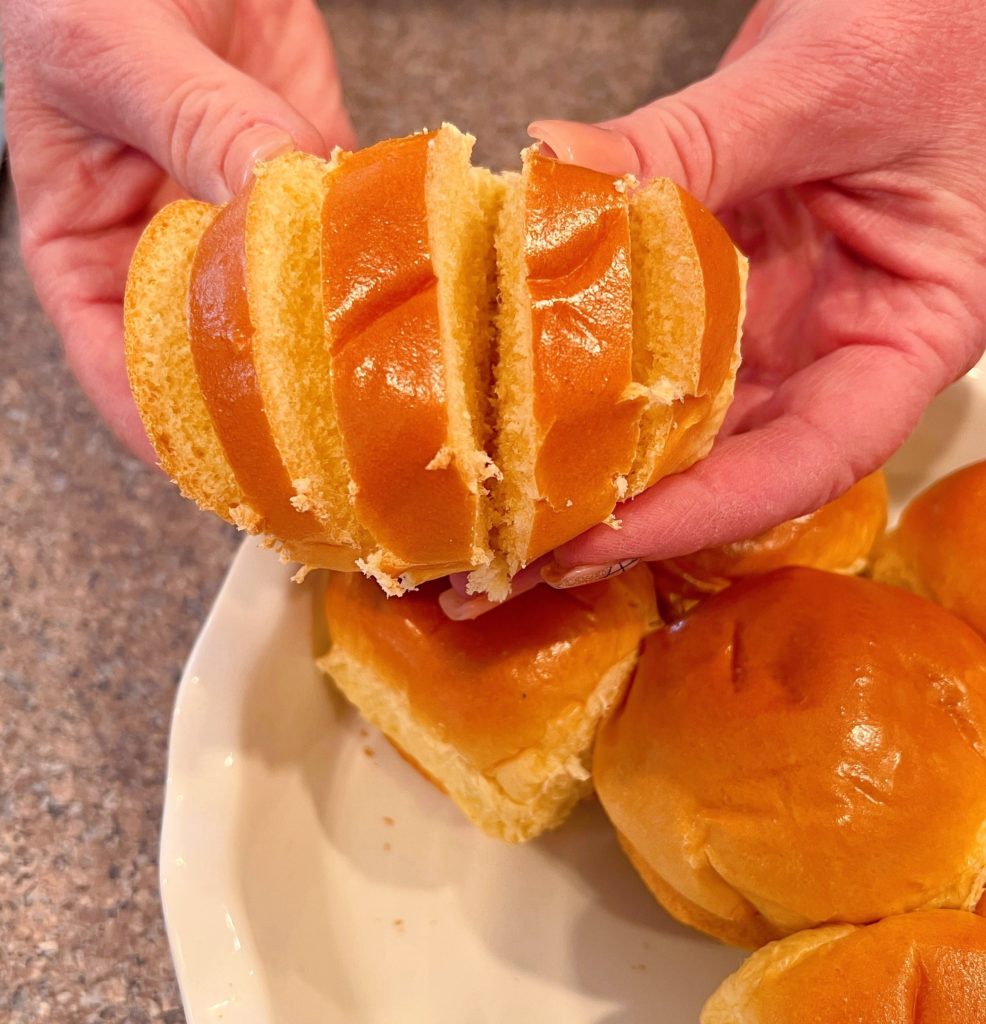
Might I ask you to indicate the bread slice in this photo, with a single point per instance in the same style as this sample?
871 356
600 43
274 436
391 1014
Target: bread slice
283 233
159 360
406 354
689 283
567 418
501 712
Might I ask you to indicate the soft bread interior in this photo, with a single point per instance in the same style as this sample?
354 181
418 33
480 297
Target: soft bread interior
520 797
515 434
669 328
284 289
159 360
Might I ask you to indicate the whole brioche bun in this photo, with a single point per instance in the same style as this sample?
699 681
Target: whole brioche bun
501 712
923 968
317 360
802 748
838 537
939 547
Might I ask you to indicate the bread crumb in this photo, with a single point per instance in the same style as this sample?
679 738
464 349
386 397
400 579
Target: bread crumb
441 459
299 576
245 518
353 488
612 522
569 503
301 499
392 586
620 482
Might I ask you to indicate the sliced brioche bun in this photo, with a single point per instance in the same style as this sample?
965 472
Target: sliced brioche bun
159 360
338 323
500 712
406 215
803 748
689 298
922 968
567 423
838 537
939 547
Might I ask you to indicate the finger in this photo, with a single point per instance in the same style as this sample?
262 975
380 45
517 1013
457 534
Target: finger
758 123
201 119
458 604
750 32
93 338
827 426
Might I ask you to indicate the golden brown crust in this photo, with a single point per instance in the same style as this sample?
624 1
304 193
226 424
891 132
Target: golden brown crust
491 685
578 274
812 743
689 435
837 537
938 548
922 968
220 331
387 361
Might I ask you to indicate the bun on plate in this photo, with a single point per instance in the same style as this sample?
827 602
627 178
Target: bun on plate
922 968
838 537
939 547
500 712
802 748
400 363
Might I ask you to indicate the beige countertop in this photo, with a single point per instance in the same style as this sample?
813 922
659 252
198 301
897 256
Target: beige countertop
106 573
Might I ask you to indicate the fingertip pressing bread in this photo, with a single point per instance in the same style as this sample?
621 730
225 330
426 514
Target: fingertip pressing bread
802 748
922 968
838 537
500 712
362 409
939 547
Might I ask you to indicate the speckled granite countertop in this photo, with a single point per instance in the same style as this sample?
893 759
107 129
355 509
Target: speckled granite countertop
106 573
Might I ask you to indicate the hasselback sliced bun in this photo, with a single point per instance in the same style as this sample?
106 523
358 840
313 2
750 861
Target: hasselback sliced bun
802 748
923 968
397 362
500 712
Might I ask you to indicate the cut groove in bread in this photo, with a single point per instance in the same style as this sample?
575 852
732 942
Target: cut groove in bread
159 361
284 289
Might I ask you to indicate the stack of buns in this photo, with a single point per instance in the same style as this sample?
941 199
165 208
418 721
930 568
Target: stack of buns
397 362
800 754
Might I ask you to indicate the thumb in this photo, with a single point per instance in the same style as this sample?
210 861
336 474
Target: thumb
201 119
776 116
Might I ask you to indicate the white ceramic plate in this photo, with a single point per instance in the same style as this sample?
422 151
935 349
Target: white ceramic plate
309 876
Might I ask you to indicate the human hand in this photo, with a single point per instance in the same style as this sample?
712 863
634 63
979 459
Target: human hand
113 112
843 143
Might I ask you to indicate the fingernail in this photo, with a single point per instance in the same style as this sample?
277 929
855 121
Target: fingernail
581 575
462 609
261 142
588 145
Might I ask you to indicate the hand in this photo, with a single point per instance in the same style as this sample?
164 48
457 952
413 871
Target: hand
114 111
843 143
